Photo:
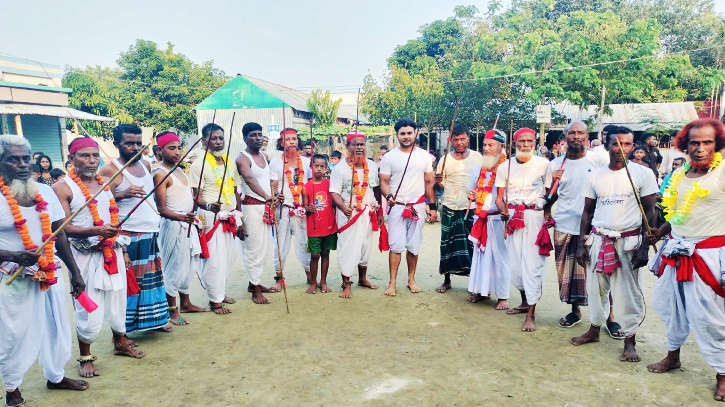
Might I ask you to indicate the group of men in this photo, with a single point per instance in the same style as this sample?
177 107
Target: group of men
133 257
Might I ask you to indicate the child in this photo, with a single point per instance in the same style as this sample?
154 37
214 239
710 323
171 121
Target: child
321 223
56 174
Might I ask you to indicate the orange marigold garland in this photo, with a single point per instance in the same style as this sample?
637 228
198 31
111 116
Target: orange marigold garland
108 254
46 263
360 192
483 191
296 190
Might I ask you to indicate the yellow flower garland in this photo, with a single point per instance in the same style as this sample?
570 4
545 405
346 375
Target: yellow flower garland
228 189
677 216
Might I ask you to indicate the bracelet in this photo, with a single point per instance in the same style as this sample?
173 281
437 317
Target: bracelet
206 207
388 196
433 206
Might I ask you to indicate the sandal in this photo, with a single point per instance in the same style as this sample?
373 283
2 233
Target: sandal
569 320
613 329
213 308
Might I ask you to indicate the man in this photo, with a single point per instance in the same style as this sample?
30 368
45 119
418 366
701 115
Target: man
256 208
689 293
146 306
456 220
179 253
406 179
676 163
359 218
33 314
669 154
221 220
652 157
572 171
308 149
610 232
36 155
288 180
490 267
527 185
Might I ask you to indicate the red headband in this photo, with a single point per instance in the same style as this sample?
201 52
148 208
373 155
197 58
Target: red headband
353 134
166 139
286 132
525 130
81 143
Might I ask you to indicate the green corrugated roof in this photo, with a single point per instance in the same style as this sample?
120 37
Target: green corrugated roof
240 93
35 87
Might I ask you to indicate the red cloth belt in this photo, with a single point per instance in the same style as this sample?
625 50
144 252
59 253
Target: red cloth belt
543 240
608 259
350 222
229 225
409 212
695 262
268 213
517 220
479 231
383 241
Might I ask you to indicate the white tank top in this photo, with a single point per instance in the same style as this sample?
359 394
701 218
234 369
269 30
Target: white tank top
178 196
85 219
262 175
143 219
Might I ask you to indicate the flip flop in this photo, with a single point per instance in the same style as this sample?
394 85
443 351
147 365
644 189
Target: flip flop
613 330
517 310
569 320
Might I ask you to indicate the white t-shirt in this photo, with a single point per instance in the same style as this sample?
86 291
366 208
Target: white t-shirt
617 207
455 179
570 205
393 164
706 216
528 181
341 181
276 168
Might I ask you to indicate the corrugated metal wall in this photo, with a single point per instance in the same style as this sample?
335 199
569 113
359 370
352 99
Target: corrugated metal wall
43 133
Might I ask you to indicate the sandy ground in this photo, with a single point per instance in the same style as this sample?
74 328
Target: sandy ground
425 349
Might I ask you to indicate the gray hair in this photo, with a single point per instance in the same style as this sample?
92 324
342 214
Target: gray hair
10 140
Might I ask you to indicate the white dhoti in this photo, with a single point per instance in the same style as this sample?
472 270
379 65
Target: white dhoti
256 247
354 244
33 323
686 306
490 268
625 286
107 291
288 228
406 233
179 255
528 267
222 254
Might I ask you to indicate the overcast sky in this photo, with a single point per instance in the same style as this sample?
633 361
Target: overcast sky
302 44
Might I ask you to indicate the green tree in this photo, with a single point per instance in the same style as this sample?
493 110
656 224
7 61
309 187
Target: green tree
323 108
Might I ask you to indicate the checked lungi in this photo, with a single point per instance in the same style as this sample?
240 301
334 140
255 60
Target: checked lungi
456 249
146 307
572 276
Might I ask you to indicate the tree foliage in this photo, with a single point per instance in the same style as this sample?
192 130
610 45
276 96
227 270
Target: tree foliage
323 108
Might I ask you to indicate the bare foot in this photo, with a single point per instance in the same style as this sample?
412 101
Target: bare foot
474 298
229 300
176 319
592 335
529 324
68 384
325 289
443 288
309 277
367 284
390 292
165 329
346 292
630 353
414 287
258 298
502 305
312 289
128 342
219 308
277 287
191 308
670 362
86 369
14 398
720 388
125 350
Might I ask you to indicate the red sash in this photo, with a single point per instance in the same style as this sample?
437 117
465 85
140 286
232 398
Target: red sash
543 240
517 219
684 271
229 225
479 231
409 212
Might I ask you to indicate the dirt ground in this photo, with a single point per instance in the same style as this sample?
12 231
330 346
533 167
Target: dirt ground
425 349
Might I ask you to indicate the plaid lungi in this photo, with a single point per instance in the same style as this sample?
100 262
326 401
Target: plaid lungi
456 249
148 309
572 276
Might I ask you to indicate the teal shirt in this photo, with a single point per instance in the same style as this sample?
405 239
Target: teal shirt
665 183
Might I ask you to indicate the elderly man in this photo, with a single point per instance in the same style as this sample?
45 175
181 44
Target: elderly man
610 241
490 267
456 220
527 185
33 310
689 293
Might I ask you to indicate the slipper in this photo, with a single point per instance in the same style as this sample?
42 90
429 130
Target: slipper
613 330
517 310
569 320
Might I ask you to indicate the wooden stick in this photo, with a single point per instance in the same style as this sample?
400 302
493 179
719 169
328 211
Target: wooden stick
634 191
508 175
226 164
552 191
352 175
279 255
73 215
450 132
203 165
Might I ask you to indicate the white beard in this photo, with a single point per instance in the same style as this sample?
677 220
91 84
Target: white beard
24 191
524 154
217 154
489 161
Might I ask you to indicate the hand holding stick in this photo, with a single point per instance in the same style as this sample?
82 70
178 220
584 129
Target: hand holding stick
508 175
279 254
201 174
226 164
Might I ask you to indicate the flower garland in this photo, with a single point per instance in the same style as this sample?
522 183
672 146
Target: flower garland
483 191
93 207
296 190
228 188
46 263
360 191
678 215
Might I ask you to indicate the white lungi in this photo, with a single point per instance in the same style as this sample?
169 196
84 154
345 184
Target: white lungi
179 255
215 270
693 306
256 247
33 323
625 285
406 234
107 291
354 244
287 228
528 267
490 268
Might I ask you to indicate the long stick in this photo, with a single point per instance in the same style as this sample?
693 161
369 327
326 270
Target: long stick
450 132
508 175
74 214
352 183
552 191
496 121
634 191
203 165
226 163
279 255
